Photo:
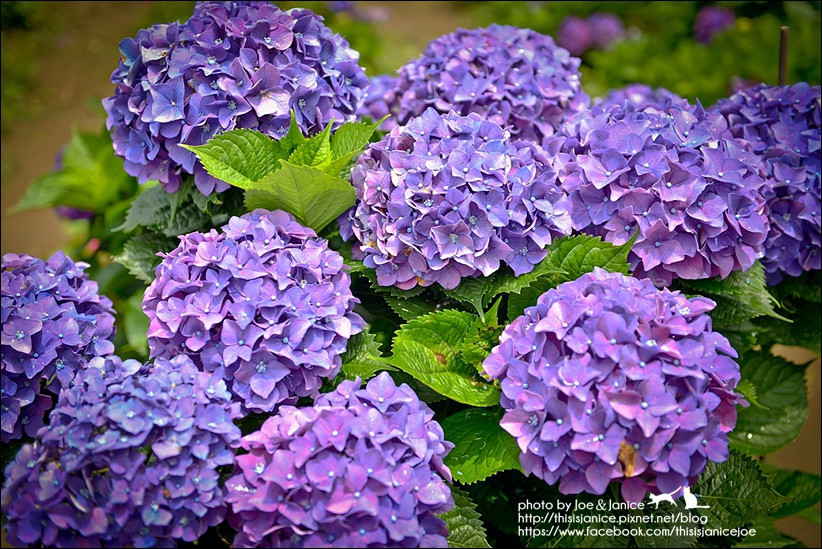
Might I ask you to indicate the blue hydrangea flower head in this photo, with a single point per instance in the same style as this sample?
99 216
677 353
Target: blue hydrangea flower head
89 481
449 196
673 172
262 302
363 467
54 321
514 77
710 21
231 65
783 124
609 378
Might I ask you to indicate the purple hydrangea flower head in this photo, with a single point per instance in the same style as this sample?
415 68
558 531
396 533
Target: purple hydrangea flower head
263 303
88 479
363 467
676 174
609 378
514 77
380 100
783 124
54 321
640 95
231 65
449 196
711 20
575 35
606 28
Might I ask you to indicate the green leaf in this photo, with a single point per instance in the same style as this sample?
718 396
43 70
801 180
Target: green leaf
474 291
362 358
353 137
442 332
767 535
314 152
294 138
568 258
481 447
740 296
187 219
347 143
448 380
135 324
736 491
464 523
310 195
801 491
782 392
239 157
149 208
91 177
427 349
408 309
140 254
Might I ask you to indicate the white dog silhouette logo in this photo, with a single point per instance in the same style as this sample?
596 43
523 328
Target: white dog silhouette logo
690 499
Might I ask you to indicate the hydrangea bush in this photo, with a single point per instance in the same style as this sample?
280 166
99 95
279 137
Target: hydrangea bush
608 378
362 467
782 123
263 303
231 65
447 196
130 457
674 173
54 322
554 303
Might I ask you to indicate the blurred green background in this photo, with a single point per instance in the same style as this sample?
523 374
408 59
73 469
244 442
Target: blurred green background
57 58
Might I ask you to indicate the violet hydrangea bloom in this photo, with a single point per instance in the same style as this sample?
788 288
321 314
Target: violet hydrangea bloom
263 302
783 124
608 378
54 321
514 77
450 196
363 467
574 34
676 174
380 100
88 481
231 65
711 20
606 28
640 95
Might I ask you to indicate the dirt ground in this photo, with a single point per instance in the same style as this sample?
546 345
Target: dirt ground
73 59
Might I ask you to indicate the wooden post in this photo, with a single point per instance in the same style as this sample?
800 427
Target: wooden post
783 56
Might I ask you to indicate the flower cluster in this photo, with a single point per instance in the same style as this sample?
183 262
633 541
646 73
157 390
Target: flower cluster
609 378
783 124
264 303
449 196
640 95
711 20
514 77
674 173
89 480
53 322
231 65
380 100
363 467
598 31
